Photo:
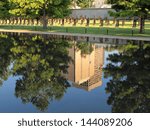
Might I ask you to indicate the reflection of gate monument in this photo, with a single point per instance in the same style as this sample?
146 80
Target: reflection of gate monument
86 70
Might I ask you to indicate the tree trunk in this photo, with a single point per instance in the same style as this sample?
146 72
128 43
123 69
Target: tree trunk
44 17
134 23
142 22
117 23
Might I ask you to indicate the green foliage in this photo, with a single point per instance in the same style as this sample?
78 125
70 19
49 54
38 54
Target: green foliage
4 9
5 57
84 47
84 3
36 8
40 9
129 71
40 62
130 8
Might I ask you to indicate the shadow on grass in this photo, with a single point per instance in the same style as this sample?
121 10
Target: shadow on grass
83 30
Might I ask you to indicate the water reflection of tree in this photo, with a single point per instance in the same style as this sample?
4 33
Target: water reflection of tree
86 48
5 57
40 62
130 72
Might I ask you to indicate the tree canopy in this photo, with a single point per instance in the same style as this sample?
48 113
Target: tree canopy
131 8
5 57
129 73
4 9
40 63
40 8
84 3
32 8
84 47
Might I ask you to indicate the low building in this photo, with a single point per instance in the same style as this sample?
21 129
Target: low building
86 70
91 13
99 8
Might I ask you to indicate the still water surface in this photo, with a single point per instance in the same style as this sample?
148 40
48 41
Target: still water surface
47 73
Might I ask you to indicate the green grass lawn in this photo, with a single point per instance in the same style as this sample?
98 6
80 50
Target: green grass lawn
110 29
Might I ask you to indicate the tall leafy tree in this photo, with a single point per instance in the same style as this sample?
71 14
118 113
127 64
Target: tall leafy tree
40 8
132 8
129 70
84 3
84 47
4 9
5 57
41 62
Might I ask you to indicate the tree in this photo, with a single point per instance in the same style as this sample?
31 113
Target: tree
5 57
41 63
4 9
40 9
84 3
84 47
129 71
131 8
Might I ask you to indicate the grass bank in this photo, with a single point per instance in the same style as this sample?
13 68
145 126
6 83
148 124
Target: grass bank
113 31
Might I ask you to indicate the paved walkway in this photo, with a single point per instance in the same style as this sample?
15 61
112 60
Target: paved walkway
78 34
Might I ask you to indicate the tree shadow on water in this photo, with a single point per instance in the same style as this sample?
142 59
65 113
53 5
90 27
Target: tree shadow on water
40 63
129 70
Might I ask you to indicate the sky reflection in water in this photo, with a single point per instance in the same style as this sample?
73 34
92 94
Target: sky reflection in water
73 74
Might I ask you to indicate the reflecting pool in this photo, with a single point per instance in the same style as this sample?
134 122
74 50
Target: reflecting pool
49 73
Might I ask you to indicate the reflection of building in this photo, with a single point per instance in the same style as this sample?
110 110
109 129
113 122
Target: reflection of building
86 70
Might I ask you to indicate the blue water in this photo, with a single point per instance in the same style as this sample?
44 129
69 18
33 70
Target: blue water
74 100
123 89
